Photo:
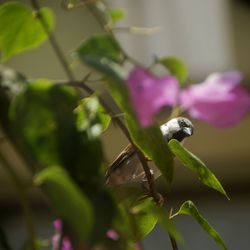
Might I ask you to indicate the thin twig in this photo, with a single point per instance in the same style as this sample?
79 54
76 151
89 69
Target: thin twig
173 243
109 31
91 91
172 240
53 41
21 189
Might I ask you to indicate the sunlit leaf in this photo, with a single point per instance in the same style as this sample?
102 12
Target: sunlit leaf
99 46
188 208
116 15
176 67
69 202
20 28
192 162
12 81
92 117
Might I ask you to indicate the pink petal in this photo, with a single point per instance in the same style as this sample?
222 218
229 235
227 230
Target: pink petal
219 100
66 244
112 234
150 93
57 225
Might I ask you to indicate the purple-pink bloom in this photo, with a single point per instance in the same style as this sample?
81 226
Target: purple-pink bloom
219 100
55 241
112 234
150 93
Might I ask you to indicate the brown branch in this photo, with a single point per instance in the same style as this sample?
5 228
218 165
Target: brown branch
53 41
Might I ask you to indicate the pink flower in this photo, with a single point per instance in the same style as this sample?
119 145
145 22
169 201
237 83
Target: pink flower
219 100
112 234
66 244
150 93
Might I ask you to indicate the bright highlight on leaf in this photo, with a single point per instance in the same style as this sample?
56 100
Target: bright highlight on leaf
91 116
192 162
188 208
70 203
20 28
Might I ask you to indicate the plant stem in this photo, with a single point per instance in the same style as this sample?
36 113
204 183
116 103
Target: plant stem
173 243
156 196
109 31
89 90
23 196
53 41
172 240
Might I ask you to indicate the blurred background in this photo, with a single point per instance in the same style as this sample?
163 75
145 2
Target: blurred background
208 36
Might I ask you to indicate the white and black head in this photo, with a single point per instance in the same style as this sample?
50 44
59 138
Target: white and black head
177 128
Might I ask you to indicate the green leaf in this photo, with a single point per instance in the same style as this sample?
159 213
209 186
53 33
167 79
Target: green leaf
39 122
135 220
67 199
188 208
99 46
149 140
192 162
116 14
152 144
92 117
20 28
45 121
167 224
176 67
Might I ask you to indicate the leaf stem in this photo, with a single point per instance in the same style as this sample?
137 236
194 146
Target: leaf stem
23 196
53 41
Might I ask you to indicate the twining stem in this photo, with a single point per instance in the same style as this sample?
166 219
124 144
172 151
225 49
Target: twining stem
23 196
156 196
173 243
53 41
72 80
172 240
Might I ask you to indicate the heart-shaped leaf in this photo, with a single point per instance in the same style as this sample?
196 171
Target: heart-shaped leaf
20 28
